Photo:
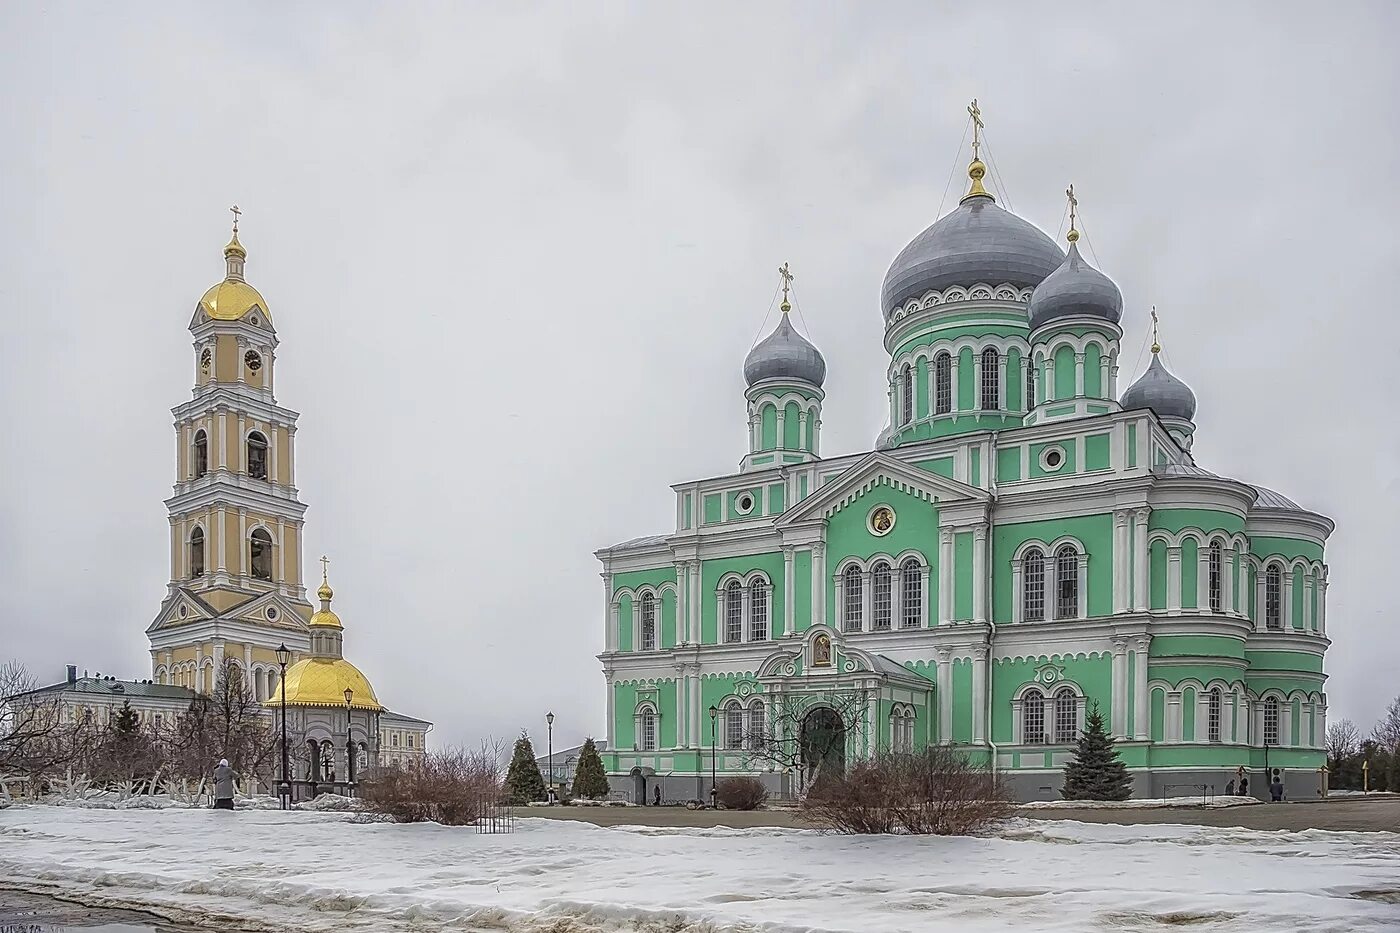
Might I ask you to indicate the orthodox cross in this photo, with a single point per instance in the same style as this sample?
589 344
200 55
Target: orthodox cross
1073 205
1156 344
236 212
787 282
325 564
976 115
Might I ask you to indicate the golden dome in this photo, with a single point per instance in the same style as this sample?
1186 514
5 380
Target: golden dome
325 617
230 300
235 248
322 682
325 592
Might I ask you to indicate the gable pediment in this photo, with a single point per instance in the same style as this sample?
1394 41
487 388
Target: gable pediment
876 470
180 609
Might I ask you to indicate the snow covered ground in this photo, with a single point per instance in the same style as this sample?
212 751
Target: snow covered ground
323 871
1143 803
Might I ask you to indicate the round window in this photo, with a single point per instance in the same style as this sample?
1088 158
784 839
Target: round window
184 611
744 504
1052 458
253 319
252 361
272 613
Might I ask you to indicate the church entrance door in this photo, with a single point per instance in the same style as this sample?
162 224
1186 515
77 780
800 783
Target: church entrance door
823 744
639 787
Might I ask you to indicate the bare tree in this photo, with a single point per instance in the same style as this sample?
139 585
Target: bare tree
227 723
127 756
38 743
1387 737
1343 741
452 787
804 734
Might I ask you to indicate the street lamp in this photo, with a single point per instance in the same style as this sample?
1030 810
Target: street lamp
283 656
349 742
714 718
549 724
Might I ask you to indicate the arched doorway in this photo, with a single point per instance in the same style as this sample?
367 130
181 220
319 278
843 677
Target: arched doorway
639 787
823 744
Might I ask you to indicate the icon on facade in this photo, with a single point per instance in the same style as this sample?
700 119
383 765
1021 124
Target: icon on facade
881 520
821 651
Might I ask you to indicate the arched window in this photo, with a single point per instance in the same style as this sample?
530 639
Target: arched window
647 738
901 730
1033 717
201 453
991 379
854 606
1271 721
943 383
1030 384
260 555
912 582
1216 563
1213 715
1273 597
271 684
758 610
648 622
1033 586
906 388
758 724
197 552
257 456
733 725
881 597
734 612
1066 583
1066 716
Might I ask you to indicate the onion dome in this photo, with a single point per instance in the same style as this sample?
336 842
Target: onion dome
233 298
785 354
325 617
1160 391
977 242
883 441
323 682
1075 289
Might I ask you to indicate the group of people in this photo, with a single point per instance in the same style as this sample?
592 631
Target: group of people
1275 785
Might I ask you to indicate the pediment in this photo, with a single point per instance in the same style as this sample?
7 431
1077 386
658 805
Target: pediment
268 609
875 470
181 608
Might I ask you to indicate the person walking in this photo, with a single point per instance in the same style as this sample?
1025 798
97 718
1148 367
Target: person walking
1244 786
1230 788
1276 788
224 778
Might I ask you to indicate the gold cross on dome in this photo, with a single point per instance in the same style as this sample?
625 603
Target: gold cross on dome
1073 205
787 280
236 212
1156 344
325 565
976 115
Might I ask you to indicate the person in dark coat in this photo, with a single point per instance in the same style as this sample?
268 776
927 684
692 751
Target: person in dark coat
224 778
1276 789
1244 786
1230 788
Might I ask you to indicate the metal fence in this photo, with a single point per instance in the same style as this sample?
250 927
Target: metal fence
1204 791
494 817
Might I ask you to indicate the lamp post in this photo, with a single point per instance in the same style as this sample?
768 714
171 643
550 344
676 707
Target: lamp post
714 718
549 728
349 741
283 656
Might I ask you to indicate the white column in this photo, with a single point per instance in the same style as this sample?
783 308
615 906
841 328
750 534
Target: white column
1103 375
1003 376
612 708
1018 608
788 590
944 693
979 694
1121 571
1174 580
979 574
924 602
1083 608
866 601
819 614
1171 731
243 542
695 713
872 715
1118 708
199 669
681 593
281 552
945 575
1203 578
695 602
1141 706
680 708
242 452
1285 725
291 455
955 383
746 613
782 432
1113 382
1260 622
1027 403
1049 393
1322 605
1141 560
272 454
221 546
1287 609
1241 723
802 429
977 380
223 439
1309 589
1227 580
1079 375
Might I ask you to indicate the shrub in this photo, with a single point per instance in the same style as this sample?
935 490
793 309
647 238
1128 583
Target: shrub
741 793
450 787
935 791
589 778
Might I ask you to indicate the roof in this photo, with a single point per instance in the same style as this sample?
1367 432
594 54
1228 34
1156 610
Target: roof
402 717
785 354
112 688
1075 289
637 544
323 682
562 754
1269 499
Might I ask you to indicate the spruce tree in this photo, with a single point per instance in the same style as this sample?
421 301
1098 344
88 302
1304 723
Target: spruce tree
126 722
524 782
1096 772
589 779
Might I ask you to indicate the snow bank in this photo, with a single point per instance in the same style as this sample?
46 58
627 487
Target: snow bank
324 871
1145 802
330 803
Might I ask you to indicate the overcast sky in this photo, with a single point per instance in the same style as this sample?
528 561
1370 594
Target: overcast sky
516 254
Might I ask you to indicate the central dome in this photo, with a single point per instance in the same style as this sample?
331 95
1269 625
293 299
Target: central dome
323 682
978 242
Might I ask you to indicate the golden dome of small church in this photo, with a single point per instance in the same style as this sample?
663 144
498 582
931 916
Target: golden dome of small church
324 678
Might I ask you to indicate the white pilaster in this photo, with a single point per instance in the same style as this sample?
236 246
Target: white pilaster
612 707
1174 580
1141 560
1118 708
1141 705
979 694
1121 572
819 613
945 575
944 694
1286 613
979 574
1079 375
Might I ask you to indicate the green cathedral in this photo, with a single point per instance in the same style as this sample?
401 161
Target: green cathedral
1023 542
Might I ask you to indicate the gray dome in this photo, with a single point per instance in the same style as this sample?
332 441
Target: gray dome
1270 499
1162 392
977 242
785 354
883 441
1076 289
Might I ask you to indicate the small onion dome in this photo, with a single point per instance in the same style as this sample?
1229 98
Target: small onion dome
883 441
323 682
1162 392
325 616
1075 289
233 298
235 248
325 592
978 242
785 354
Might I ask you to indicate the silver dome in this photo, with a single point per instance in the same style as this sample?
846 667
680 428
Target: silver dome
1076 289
785 354
977 242
1162 392
1270 499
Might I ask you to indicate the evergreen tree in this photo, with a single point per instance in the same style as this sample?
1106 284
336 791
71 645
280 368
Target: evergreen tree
126 722
1096 772
524 782
589 779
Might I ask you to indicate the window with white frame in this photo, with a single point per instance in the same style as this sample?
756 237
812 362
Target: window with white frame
906 388
881 597
1033 717
943 383
733 725
1273 597
1215 568
1066 583
257 455
1030 384
648 622
853 598
758 610
260 555
991 379
197 552
911 609
201 453
901 729
734 612
758 724
1271 721
1033 585
1066 716
646 732
1213 707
